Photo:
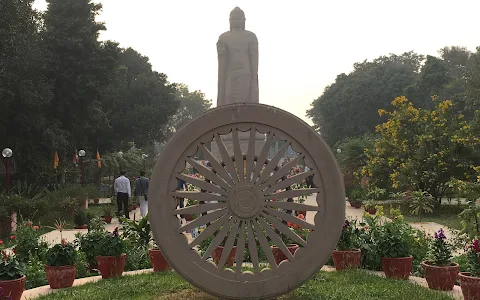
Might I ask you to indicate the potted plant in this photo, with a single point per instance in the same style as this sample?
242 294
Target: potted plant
291 245
108 211
80 219
12 275
440 272
60 266
111 255
158 261
217 253
346 255
393 244
356 196
96 200
370 207
470 281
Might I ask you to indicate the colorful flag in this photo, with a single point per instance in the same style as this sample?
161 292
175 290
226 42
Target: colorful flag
55 161
99 160
75 158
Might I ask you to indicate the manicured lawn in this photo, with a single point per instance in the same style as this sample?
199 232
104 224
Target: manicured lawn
446 214
357 285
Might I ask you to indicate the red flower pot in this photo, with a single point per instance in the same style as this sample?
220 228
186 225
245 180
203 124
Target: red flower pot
280 256
372 211
398 268
217 254
81 227
111 266
159 263
14 287
440 278
346 259
357 204
61 277
188 217
96 200
107 219
470 286
301 212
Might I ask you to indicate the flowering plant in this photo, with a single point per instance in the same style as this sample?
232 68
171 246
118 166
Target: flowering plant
10 267
473 255
301 232
440 251
63 254
349 237
111 244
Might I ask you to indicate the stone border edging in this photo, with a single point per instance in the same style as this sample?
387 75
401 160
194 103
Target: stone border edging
31 294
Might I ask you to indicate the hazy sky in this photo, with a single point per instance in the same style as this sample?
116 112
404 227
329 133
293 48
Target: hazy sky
303 44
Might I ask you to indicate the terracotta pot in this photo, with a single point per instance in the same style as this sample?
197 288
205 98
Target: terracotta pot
280 256
188 217
346 259
159 263
61 277
217 254
96 200
111 266
398 268
351 203
357 204
372 211
440 278
470 286
107 219
81 227
301 212
133 207
14 287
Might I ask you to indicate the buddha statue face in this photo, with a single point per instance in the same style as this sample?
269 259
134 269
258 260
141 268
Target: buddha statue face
237 19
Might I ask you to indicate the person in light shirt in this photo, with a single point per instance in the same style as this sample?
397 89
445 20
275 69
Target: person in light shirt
123 191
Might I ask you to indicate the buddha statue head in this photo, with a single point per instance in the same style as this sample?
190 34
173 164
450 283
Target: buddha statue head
237 19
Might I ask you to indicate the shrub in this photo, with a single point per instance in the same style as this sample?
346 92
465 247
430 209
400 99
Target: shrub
89 244
349 237
63 254
440 251
111 245
137 257
35 273
27 240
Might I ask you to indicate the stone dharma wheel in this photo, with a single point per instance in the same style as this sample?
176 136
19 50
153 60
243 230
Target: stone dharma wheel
247 203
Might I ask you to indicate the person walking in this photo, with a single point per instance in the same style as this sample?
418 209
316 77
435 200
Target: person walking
141 191
124 192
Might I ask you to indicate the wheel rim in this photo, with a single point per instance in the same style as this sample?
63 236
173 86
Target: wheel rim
241 212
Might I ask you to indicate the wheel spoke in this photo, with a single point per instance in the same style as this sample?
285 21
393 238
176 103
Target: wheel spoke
250 155
208 174
229 244
218 239
276 239
286 217
202 220
217 166
283 171
237 150
265 246
285 230
290 194
202 184
240 247
273 163
226 158
289 181
200 196
199 208
209 231
293 206
252 248
262 157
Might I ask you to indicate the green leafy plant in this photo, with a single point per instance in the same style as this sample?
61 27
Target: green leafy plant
422 202
108 210
80 218
394 238
370 204
89 244
111 244
10 267
63 254
35 273
349 237
375 193
473 255
357 195
96 224
27 241
440 251
137 231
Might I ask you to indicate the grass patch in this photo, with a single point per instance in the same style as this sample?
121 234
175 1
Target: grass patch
446 214
357 285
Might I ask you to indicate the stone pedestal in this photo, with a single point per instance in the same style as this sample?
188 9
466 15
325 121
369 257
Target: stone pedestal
244 138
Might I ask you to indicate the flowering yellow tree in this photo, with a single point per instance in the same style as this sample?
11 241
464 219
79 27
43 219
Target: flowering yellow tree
422 149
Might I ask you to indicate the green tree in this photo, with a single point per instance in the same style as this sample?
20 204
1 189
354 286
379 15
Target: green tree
348 107
191 104
422 149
